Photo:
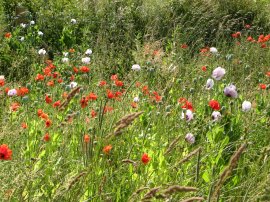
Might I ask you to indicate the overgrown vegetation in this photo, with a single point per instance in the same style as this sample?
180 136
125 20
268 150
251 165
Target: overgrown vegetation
115 28
171 105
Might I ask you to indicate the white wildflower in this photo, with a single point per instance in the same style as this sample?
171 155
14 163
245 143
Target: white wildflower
216 115
86 60
213 50
218 73
65 60
209 84
136 67
12 92
42 51
88 52
190 138
246 106
230 91
73 21
136 99
40 33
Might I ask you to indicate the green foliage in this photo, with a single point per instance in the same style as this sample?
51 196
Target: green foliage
122 33
113 28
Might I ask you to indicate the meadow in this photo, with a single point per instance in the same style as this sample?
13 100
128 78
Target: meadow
135 100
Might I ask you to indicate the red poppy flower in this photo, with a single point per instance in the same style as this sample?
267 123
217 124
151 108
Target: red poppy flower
263 45
84 69
262 86
14 106
204 50
186 104
110 94
76 70
107 149
44 116
145 90
48 123
247 26
134 105
86 138
39 112
50 64
39 77
22 91
48 99
236 35
72 50
84 102
5 152
50 83
214 104
267 74
118 94
184 46
93 114
204 68
24 125
155 52
47 71
92 96
60 80
8 35
57 103
137 84
118 83
157 97
46 137
6 90
72 78
102 83
64 95
250 39
114 77
2 82
145 158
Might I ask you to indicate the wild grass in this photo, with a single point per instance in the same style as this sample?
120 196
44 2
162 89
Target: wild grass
92 145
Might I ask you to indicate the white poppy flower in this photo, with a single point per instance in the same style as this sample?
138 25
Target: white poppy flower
216 115
73 21
32 22
246 106
65 60
86 60
12 92
21 38
230 91
88 52
190 138
188 115
42 51
136 67
209 84
213 50
136 99
73 84
40 33
23 25
65 54
218 73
